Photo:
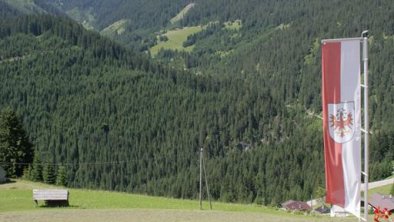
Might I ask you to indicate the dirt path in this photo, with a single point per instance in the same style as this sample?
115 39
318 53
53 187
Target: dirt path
75 215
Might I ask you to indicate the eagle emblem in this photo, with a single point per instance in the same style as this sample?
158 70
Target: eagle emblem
341 121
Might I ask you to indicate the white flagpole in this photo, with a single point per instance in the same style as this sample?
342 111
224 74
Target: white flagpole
364 35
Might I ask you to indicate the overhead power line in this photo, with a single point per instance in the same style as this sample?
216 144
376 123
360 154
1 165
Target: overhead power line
64 164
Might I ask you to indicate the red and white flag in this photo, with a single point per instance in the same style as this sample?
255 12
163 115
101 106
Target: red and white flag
342 122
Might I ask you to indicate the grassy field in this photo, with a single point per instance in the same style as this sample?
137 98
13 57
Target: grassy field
17 196
235 25
117 28
182 13
175 40
176 37
382 190
85 17
16 205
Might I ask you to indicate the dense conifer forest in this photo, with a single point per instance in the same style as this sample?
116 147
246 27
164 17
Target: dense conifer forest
104 114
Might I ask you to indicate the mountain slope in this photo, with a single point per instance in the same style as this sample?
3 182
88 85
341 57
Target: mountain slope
7 11
31 7
118 121
248 95
25 6
142 14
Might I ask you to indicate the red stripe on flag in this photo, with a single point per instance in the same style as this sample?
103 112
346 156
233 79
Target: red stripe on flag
331 94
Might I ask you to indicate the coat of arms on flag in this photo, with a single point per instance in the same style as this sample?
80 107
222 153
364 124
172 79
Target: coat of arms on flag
341 121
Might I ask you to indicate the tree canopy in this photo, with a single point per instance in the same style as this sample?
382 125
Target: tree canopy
16 151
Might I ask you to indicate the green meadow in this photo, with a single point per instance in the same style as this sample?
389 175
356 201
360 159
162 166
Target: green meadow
182 13
382 190
16 204
17 196
233 25
176 38
117 28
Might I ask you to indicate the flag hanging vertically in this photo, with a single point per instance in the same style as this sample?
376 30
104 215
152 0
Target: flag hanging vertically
342 122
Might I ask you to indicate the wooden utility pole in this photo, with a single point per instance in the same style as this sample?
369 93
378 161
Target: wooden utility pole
202 167
206 184
201 150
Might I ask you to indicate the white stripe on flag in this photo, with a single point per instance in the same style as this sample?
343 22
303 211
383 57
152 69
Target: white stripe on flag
351 153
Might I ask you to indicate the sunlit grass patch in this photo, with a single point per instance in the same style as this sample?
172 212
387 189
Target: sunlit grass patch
175 40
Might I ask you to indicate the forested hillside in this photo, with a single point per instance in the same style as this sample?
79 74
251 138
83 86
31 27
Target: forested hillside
142 18
279 45
250 96
142 13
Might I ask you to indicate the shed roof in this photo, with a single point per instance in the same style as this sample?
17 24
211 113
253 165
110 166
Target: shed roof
382 201
295 205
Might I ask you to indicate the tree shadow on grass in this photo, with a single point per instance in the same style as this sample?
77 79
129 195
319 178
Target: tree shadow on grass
8 181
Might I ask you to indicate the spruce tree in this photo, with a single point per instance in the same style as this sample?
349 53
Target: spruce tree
61 178
27 172
36 173
48 174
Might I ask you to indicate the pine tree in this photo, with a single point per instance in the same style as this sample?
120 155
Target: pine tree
61 178
27 172
36 173
48 174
